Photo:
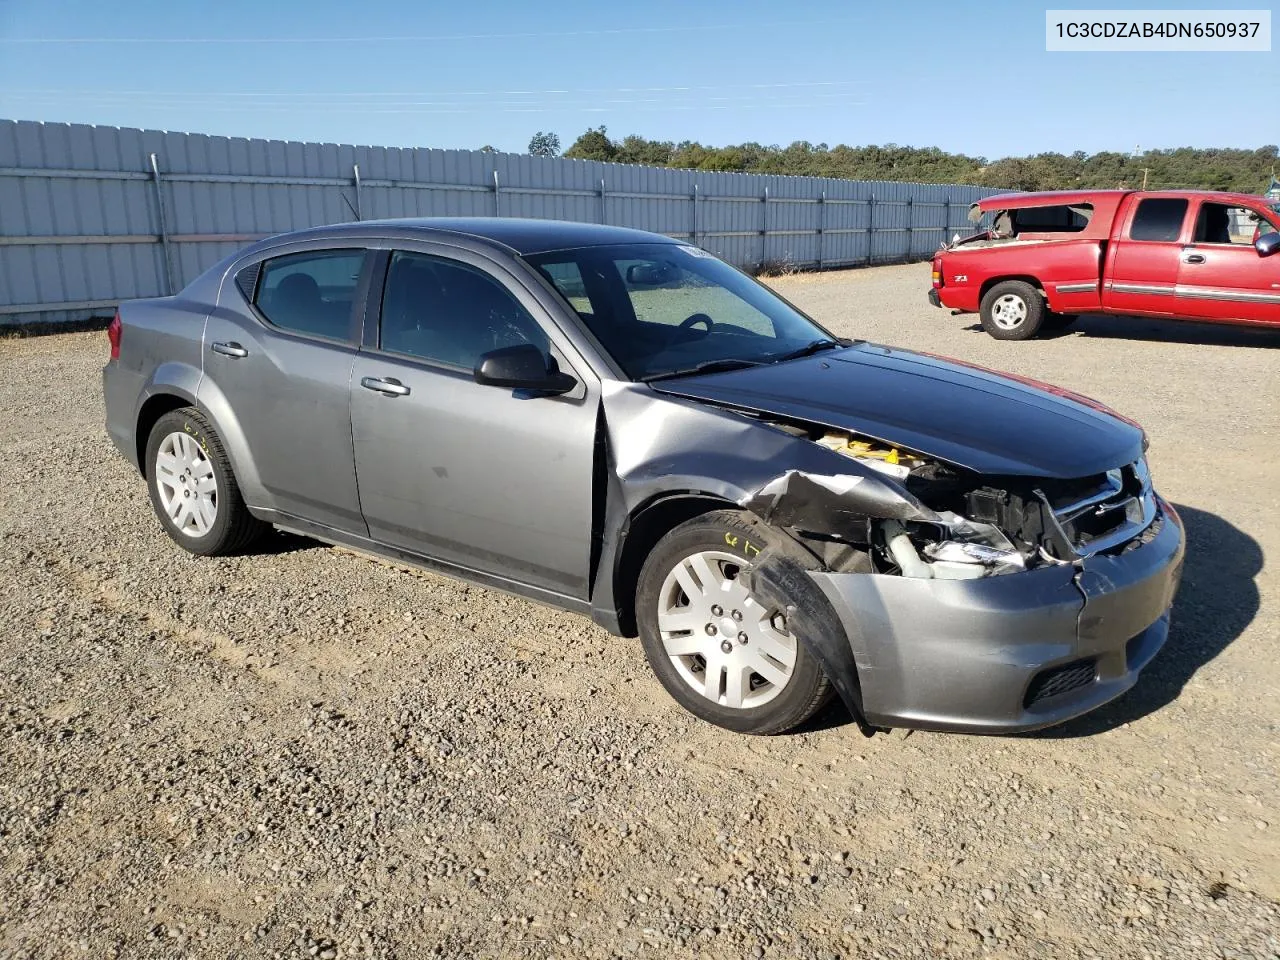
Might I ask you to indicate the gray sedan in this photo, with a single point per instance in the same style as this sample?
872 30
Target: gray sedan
621 425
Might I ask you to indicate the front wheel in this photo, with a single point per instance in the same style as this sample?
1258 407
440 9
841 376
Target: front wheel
1012 310
721 653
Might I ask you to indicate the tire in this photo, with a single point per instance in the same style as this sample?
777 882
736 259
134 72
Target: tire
791 686
1012 310
193 491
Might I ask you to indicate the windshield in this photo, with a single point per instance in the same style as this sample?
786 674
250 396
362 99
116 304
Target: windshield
667 309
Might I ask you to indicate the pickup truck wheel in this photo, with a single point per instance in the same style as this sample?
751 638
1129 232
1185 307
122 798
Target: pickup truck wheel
1012 310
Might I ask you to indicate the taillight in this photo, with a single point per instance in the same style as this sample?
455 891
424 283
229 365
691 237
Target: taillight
937 272
113 334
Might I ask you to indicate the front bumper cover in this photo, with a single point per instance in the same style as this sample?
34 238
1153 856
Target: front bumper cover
962 655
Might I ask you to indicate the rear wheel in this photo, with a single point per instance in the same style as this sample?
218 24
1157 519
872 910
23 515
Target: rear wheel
192 488
1012 310
721 653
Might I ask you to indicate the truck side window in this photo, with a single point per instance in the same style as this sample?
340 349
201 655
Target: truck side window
1158 219
1220 223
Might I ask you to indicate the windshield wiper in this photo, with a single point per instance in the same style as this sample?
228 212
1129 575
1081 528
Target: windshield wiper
813 346
707 366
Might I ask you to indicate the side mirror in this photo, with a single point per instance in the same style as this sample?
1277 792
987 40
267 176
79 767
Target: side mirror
522 367
1267 244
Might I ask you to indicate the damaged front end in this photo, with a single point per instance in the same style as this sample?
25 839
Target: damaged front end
986 604
952 523
947 597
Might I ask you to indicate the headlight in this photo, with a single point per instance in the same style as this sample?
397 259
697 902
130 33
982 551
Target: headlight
955 551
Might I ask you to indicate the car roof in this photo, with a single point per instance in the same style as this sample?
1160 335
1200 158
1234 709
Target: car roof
516 235
1050 198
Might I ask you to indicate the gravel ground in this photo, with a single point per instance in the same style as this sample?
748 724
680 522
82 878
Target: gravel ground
307 753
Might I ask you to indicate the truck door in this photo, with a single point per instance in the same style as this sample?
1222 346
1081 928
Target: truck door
1142 275
1221 276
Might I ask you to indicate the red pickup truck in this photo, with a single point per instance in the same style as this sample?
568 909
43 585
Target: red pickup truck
1172 253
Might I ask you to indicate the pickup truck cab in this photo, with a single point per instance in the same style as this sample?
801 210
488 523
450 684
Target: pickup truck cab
1048 257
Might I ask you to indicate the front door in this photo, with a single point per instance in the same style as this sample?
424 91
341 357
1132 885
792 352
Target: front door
1222 276
277 355
1142 274
480 477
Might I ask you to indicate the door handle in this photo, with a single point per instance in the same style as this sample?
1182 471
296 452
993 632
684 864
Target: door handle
231 349
1193 258
388 386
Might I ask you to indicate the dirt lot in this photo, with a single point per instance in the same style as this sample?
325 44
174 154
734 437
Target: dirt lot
308 753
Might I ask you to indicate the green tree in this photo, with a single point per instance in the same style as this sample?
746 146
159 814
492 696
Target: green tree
593 145
544 145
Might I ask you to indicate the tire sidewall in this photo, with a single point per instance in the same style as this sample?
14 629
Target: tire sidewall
1034 303
722 532
191 423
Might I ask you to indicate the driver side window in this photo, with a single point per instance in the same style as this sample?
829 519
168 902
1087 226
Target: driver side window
448 312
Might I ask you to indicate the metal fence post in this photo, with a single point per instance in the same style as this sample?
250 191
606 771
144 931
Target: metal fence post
693 232
355 172
871 226
164 228
497 191
822 224
604 204
946 221
764 226
910 235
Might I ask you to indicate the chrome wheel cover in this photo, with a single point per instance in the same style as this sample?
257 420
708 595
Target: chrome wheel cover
724 644
1009 311
186 484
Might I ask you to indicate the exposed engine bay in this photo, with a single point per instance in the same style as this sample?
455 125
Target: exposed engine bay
973 525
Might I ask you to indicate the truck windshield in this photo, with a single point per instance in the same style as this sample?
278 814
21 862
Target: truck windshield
669 309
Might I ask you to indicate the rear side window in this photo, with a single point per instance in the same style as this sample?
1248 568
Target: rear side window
445 311
1159 219
311 292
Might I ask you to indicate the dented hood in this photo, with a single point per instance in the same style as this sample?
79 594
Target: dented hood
965 415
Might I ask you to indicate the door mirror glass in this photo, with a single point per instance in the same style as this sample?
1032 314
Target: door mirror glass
1267 244
522 367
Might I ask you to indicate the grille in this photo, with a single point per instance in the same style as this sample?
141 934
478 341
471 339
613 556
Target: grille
1060 680
1110 510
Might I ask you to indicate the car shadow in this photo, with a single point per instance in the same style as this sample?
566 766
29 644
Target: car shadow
1218 599
1152 329
1216 602
279 542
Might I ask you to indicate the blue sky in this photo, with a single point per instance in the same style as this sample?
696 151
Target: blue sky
970 77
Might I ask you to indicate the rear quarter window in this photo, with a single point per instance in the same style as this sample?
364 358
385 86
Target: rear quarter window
1158 219
311 293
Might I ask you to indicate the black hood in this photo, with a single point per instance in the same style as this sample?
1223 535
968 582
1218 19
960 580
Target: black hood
968 416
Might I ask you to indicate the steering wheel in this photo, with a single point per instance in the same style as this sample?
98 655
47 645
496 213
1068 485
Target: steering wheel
689 322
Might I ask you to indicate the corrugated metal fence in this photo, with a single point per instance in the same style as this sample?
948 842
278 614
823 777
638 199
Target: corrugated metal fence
92 215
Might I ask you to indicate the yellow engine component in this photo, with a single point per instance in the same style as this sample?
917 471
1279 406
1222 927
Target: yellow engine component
861 448
900 463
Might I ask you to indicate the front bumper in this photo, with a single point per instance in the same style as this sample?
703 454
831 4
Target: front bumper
934 298
1009 653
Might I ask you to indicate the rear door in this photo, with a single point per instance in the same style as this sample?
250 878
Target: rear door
481 477
1221 275
277 358
1142 273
